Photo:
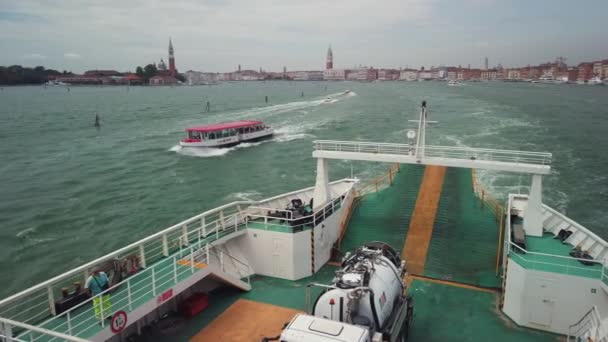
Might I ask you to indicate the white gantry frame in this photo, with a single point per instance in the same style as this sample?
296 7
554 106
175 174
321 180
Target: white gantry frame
533 163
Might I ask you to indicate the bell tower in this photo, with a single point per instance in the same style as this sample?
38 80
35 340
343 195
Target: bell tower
172 70
329 62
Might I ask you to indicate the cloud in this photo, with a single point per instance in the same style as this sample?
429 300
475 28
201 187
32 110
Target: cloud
71 55
34 56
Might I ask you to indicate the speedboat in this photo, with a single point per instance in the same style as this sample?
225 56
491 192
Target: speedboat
226 134
454 83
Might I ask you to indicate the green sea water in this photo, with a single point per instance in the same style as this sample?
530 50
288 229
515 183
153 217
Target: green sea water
70 193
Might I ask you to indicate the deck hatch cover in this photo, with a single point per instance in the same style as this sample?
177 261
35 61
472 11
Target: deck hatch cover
326 327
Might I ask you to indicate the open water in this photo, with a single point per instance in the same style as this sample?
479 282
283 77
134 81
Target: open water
70 193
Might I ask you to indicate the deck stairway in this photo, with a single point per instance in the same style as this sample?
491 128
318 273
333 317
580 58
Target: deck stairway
184 260
580 237
591 327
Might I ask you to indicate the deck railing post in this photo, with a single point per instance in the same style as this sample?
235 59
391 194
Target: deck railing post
175 268
222 218
192 259
101 303
153 282
142 256
51 299
69 322
129 299
165 246
202 232
207 252
185 233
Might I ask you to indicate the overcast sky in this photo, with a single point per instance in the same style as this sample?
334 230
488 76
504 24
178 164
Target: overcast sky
217 35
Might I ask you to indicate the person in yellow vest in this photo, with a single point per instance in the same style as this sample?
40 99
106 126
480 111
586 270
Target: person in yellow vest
97 283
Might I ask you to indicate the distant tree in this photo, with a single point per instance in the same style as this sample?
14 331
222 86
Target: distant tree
180 77
149 72
39 69
139 71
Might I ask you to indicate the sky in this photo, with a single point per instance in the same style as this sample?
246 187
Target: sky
218 35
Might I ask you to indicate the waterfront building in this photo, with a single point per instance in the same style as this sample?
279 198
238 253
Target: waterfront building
597 69
408 75
425 75
514 74
197 77
334 74
585 72
388 75
160 80
362 74
308 76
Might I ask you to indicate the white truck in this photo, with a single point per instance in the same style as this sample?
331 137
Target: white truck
366 302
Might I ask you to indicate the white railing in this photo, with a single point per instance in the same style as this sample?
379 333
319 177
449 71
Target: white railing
295 223
7 326
139 288
576 225
589 328
533 263
454 152
36 303
560 262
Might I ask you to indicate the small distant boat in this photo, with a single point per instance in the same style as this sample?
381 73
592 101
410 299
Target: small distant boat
595 81
347 92
226 134
329 99
454 83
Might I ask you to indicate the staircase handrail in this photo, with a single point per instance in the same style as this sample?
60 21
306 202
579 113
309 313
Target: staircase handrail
249 269
597 329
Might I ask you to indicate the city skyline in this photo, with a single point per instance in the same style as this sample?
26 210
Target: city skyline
216 36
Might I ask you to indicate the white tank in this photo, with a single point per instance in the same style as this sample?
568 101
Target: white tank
366 289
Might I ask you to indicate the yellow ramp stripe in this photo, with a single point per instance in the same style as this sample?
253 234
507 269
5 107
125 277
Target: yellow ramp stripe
421 225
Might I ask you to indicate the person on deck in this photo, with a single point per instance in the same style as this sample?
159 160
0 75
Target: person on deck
96 284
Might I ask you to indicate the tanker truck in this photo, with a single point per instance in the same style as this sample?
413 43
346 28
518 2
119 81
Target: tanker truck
366 301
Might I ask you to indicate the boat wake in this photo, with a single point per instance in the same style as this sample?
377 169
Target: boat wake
249 195
204 152
27 236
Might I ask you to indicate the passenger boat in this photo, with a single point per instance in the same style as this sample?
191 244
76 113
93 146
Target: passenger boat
453 83
281 267
226 134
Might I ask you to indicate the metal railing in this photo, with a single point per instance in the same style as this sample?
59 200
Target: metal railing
7 325
145 285
381 182
296 223
557 263
455 152
589 328
36 303
532 260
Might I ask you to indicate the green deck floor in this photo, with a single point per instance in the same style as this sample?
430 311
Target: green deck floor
448 313
465 235
385 215
464 240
